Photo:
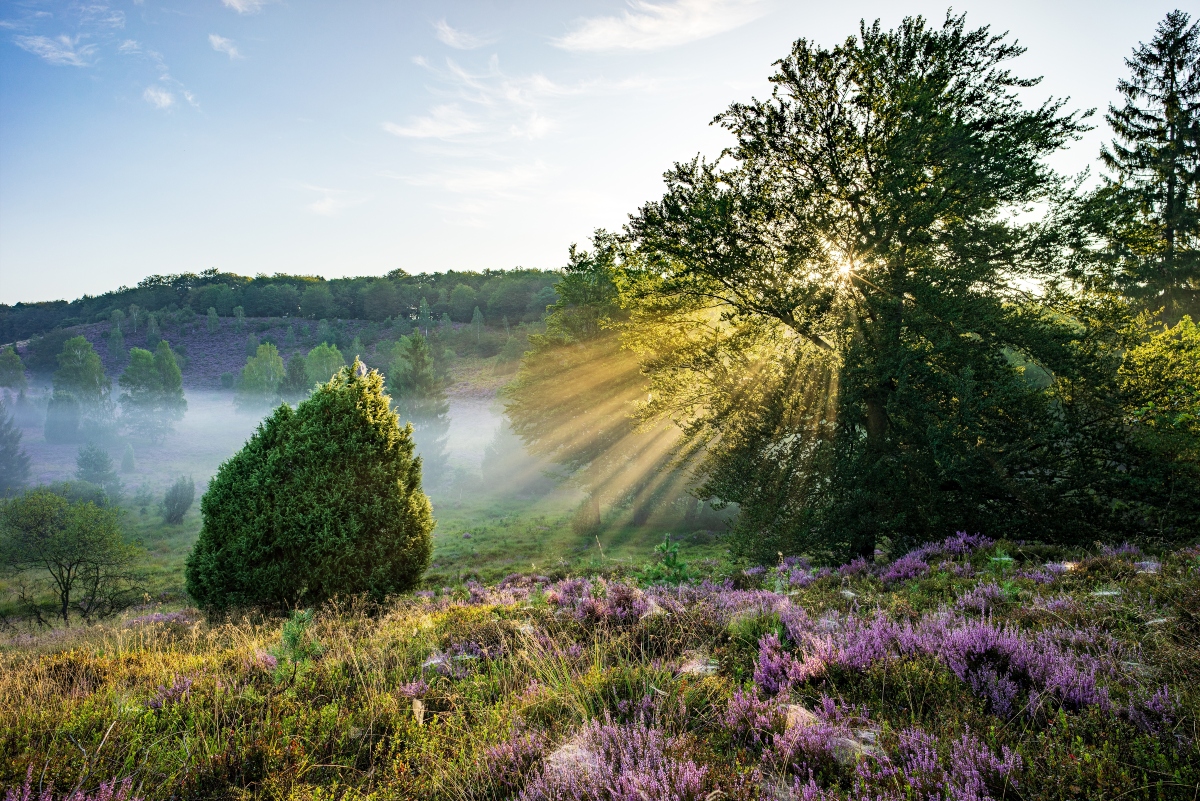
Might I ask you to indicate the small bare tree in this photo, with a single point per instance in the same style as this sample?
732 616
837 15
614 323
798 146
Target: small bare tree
75 550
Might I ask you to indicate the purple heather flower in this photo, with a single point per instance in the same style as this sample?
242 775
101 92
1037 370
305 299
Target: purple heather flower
615 762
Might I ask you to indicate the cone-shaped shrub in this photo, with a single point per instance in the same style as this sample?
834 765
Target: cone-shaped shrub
322 500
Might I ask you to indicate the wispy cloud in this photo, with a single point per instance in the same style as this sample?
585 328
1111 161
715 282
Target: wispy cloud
651 26
475 182
460 40
158 97
223 45
332 201
245 6
62 50
129 46
443 122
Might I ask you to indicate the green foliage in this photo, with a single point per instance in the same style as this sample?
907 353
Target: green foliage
322 362
296 640
12 369
251 344
295 383
258 386
153 335
80 372
14 462
94 466
847 377
322 500
177 500
419 394
462 299
317 301
667 568
239 319
212 321
152 400
477 324
76 547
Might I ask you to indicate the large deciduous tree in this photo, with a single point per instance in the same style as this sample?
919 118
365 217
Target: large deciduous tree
839 309
152 399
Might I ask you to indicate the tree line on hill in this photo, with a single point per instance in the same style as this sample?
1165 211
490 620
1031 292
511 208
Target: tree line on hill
518 295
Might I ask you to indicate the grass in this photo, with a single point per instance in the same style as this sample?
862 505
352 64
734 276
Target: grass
582 687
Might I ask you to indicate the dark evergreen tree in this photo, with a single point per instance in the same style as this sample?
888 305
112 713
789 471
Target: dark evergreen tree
62 418
1154 190
323 500
177 500
14 462
128 462
419 395
94 466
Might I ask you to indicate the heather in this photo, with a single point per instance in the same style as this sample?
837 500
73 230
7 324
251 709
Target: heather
1000 670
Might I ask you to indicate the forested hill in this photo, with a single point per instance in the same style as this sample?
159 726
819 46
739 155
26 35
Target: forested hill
516 295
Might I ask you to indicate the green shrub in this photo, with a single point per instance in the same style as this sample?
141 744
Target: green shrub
178 500
322 500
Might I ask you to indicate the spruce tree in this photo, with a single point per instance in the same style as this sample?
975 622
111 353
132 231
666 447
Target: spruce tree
1155 166
95 466
420 396
323 500
212 320
14 462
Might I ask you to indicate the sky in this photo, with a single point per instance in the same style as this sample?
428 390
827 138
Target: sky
353 137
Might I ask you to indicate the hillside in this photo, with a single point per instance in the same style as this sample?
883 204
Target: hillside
968 669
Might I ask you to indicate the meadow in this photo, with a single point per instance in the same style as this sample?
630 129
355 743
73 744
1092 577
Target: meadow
967 669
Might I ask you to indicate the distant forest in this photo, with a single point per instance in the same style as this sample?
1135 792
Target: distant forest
518 295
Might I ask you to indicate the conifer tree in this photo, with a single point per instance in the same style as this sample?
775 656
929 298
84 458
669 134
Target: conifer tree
323 500
1155 166
420 396
477 325
14 462
95 466
212 320
239 318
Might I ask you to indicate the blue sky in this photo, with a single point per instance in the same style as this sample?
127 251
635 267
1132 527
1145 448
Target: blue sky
352 138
